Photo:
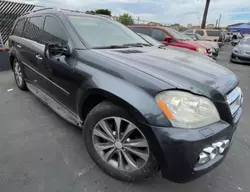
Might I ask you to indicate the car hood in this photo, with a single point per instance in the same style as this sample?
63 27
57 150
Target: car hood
244 47
179 69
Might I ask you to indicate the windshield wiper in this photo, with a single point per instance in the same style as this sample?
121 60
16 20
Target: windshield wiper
162 46
111 47
137 45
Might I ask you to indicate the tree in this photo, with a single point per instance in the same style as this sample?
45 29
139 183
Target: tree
126 19
204 19
103 11
100 11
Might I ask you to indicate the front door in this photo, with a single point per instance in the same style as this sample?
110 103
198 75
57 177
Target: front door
59 69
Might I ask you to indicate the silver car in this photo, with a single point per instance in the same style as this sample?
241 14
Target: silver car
241 52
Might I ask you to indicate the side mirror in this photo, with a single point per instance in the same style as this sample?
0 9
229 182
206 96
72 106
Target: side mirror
168 39
54 49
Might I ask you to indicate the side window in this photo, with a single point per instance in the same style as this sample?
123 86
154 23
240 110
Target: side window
53 31
32 28
146 31
19 27
200 32
159 35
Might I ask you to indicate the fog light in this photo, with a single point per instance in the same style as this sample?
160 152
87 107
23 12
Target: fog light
221 145
211 151
203 158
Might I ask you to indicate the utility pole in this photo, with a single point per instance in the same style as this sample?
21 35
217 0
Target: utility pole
138 20
216 23
204 19
219 21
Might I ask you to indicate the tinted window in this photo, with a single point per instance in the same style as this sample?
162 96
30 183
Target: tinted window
102 32
19 28
213 33
53 31
146 31
32 29
200 32
159 34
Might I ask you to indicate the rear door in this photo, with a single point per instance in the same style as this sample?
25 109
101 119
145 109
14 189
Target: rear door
31 49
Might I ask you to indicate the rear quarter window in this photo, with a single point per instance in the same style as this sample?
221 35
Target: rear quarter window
18 30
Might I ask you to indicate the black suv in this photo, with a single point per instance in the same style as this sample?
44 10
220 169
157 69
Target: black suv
140 108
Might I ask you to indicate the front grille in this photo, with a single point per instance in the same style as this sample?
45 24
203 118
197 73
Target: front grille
234 100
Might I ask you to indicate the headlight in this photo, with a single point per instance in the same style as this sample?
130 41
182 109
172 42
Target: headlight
237 50
201 50
185 110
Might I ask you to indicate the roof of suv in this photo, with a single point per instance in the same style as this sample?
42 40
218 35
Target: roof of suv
147 26
62 11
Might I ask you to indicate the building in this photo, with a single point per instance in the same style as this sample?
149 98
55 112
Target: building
189 26
9 12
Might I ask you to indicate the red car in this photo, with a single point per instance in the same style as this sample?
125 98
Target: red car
169 36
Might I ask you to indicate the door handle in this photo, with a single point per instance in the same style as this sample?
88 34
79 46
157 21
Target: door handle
19 46
39 57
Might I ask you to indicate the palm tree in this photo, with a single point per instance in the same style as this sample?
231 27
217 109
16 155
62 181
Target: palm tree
204 19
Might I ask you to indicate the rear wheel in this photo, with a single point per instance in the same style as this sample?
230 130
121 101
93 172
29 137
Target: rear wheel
117 144
19 76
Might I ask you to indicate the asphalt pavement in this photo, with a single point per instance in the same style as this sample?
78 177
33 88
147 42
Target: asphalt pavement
39 151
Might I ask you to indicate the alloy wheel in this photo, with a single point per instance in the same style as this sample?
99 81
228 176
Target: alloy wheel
120 144
18 74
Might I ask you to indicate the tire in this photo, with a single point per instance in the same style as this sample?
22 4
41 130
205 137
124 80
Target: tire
19 75
122 171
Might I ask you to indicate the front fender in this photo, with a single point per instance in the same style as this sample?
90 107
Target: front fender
139 102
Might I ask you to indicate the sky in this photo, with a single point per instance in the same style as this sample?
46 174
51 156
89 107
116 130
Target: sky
163 11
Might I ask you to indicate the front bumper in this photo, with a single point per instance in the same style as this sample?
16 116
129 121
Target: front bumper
238 58
179 149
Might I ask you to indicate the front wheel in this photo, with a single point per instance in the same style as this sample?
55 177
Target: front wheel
117 144
19 76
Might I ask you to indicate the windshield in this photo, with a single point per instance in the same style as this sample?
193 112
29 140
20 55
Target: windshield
193 36
150 40
177 35
102 32
186 37
213 33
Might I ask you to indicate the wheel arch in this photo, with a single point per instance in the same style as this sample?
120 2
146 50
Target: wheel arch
140 104
95 96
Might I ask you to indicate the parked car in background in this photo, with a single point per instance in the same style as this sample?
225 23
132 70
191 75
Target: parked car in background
139 108
199 39
178 51
241 52
171 37
207 34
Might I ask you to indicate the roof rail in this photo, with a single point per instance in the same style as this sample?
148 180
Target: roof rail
33 11
76 11
102 15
